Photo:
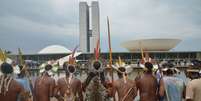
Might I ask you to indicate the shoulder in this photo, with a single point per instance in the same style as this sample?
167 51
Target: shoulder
132 81
138 77
60 80
77 80
16 84
195 81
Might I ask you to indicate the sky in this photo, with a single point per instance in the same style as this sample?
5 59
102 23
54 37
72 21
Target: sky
34 24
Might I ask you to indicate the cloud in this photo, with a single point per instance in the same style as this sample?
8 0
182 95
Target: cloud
45 22
20 24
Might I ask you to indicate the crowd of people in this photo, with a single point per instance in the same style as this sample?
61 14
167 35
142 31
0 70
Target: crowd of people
164 84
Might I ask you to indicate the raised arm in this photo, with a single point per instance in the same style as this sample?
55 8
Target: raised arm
87 81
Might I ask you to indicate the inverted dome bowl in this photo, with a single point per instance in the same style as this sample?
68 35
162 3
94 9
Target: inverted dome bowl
151 44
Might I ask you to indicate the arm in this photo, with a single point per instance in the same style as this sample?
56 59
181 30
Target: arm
52 87
161 88
57 89
87 81
23 95
189 92
184 91
80 91
102 77
134 89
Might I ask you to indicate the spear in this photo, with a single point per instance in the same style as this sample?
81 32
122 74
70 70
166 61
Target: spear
142 53
22 63
110 50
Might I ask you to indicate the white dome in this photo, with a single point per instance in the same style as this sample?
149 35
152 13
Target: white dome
54 49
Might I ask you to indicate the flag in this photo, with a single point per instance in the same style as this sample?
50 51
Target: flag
20 58
97 50
72 58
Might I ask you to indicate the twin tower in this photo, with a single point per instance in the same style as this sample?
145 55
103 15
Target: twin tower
89 26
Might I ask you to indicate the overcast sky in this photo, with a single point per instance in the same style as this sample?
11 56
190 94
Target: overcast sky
35 24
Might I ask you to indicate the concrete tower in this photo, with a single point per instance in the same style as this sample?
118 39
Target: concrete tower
89 36
84 27
95 25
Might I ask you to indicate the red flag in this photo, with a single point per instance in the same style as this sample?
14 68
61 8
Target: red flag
97 49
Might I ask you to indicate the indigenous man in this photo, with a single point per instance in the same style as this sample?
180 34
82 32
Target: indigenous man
125 88
44 85
9 88
174 85
147 85
69 88
95 83
24 81
193 89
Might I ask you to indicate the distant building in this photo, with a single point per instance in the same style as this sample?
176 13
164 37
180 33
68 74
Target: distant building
84 26
89 36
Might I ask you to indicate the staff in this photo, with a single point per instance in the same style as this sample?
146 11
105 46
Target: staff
110 51
22 63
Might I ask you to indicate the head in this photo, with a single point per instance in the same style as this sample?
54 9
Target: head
149 66
96 65
6 68
47 71
48 67
120 71
65 67
22 71
170 72
71 68
193 74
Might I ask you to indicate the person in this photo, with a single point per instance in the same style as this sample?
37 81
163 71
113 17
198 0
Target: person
193 73
193 90
95 83
44 86
147 85
125 88
24 81
174 86
69 88
10 88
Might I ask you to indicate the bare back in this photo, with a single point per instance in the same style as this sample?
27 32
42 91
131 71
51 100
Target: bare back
147 85
126 91
75 87
14 90
43 89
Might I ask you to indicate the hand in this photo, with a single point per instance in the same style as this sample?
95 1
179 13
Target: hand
92 74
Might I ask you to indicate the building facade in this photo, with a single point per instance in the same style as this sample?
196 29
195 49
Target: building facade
84 26
89 36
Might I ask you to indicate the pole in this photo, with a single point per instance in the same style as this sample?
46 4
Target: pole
110 51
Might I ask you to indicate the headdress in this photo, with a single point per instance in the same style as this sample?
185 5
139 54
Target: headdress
72 62
121 68
71 69
50 71
4 58
96 64
5 79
